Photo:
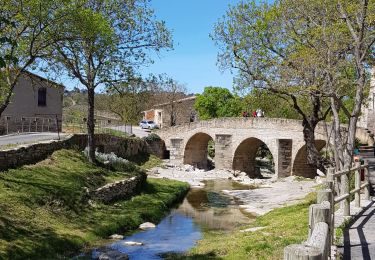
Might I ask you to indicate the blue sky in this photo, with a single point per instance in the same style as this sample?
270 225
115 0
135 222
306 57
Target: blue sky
193 60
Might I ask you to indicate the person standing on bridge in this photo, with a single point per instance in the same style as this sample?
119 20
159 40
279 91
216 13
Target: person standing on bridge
259 113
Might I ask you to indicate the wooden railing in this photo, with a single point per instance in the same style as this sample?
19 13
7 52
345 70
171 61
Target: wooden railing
322 214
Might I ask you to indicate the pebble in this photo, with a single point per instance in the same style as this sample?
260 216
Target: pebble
116 236
147 225
133 243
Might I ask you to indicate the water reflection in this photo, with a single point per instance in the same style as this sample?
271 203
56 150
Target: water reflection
206 208
212 209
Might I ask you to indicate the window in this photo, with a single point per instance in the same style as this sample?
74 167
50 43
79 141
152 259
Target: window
42 97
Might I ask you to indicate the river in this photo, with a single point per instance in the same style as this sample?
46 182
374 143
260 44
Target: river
202 209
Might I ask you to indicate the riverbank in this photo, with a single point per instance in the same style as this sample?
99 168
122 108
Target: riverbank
265 238
270 192
45 213
281 207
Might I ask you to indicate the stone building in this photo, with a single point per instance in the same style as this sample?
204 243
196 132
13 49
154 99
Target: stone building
172 113
367 118
36 106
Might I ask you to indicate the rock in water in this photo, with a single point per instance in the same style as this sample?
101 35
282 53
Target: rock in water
154 171
115 236
113 255
147 225
132 243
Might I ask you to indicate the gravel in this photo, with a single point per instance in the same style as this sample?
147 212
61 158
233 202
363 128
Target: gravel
272 192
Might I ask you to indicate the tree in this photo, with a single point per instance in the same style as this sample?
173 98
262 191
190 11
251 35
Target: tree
170 92
217 102
359 19
299 54
25 36
105 41
271 104
128 99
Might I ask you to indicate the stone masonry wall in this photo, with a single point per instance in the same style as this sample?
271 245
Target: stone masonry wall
119 190
123 147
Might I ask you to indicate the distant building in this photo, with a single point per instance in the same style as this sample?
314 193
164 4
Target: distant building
172 113
36 105
367 118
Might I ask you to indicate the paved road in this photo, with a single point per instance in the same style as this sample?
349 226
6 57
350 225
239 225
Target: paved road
359 238
28 138
136 130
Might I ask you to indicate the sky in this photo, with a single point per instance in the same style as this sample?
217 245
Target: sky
193 60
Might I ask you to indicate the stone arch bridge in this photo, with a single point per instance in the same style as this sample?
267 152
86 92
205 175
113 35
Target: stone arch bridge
237 141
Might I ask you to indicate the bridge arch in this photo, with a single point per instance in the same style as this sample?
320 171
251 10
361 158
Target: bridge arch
300 166
245 153
195 151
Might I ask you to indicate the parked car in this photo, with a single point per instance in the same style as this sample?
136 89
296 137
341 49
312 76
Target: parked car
148 124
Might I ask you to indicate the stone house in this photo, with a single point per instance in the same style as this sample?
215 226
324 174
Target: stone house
367 118
172 113
36 106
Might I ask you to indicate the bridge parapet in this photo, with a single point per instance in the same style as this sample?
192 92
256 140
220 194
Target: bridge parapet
234 123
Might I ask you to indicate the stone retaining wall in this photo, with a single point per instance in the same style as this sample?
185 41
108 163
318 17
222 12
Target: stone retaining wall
119 190
122 147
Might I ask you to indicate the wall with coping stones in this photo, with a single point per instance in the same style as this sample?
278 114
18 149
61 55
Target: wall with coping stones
123 147
119 190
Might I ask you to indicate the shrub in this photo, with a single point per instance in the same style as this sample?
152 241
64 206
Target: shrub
152 137
113 161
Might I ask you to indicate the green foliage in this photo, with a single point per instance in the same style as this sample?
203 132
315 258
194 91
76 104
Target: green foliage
48 216
218 102
25 37
211 148
152 137
273 105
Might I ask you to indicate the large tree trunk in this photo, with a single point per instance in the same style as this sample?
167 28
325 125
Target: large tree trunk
314 158
11 83
4 105
91 125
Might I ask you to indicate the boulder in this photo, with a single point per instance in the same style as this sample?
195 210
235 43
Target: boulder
113 255
147 225
188 168
116 236
133 243
154 171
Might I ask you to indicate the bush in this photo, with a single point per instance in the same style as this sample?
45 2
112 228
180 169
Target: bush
152 137
113 161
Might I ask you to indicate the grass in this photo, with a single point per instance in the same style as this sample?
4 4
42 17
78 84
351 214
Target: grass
9 146
146 161
45 212
283 226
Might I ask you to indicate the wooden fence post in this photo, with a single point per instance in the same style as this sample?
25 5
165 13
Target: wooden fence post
323 196
320 238
345 204
366 180
319 213
357 185
302 252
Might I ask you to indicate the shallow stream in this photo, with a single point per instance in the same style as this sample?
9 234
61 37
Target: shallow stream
202 209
